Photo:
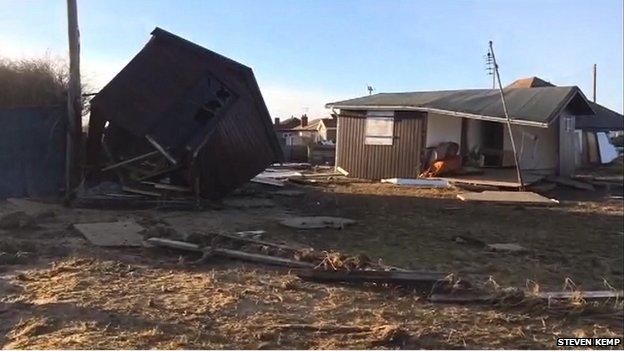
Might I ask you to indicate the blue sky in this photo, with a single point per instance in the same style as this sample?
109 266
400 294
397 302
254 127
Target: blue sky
308 53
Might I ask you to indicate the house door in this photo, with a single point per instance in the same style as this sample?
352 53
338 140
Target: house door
492 137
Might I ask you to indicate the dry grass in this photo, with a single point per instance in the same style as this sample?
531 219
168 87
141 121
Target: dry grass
414 228
32 82
66 294
101 303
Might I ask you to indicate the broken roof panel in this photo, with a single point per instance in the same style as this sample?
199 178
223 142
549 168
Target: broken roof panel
604 119
537 105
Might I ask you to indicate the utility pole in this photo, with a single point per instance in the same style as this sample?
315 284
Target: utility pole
502 94
74 103
595 67
489 68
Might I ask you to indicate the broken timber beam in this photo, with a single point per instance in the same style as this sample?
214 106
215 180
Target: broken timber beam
245 256
257 242
140 191
422 279
585 295
130 160
270 260
161 149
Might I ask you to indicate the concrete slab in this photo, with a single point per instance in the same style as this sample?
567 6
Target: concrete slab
34 208
508 197
126 233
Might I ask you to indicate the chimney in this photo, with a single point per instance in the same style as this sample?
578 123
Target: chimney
277 121
304 120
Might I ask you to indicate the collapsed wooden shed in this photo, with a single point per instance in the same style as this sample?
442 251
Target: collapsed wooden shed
181 112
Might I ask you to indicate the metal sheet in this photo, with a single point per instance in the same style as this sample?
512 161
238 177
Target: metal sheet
112 233
32 151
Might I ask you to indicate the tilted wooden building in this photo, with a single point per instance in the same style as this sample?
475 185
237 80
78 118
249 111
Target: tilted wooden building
204 112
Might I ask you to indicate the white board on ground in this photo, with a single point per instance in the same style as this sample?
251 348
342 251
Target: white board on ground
278 174
608 152
267 181
508 197
317 222
421 183
341 170
124 233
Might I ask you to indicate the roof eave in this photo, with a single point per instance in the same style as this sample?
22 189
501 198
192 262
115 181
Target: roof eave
564 103
517 121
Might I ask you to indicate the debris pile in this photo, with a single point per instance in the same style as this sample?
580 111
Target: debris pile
178 120
322 266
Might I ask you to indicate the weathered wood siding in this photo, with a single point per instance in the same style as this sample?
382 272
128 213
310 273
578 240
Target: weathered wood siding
399 160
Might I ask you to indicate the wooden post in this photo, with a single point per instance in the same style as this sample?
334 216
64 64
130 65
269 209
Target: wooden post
502 94
74 103
595 67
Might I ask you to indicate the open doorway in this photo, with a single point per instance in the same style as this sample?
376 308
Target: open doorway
492 137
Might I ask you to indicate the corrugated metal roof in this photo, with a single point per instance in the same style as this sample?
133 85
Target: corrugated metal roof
535 105
604 120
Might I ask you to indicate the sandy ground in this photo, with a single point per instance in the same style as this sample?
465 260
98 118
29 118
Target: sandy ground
58 291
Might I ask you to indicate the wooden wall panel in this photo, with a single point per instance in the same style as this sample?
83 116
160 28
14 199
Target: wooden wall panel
399 160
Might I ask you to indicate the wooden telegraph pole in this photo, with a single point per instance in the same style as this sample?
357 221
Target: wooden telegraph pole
502 94
594 83
74 103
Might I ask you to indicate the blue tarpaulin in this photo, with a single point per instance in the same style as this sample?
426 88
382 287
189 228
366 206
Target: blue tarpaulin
32 151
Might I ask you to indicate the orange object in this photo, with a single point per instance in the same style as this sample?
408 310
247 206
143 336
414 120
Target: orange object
446 166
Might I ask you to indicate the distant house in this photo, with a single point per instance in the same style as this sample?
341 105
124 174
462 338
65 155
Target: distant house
301 139
286 132
318 131
386 135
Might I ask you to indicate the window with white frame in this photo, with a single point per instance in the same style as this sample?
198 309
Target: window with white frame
379 128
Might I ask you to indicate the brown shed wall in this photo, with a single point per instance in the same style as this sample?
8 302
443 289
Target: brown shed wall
399 160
